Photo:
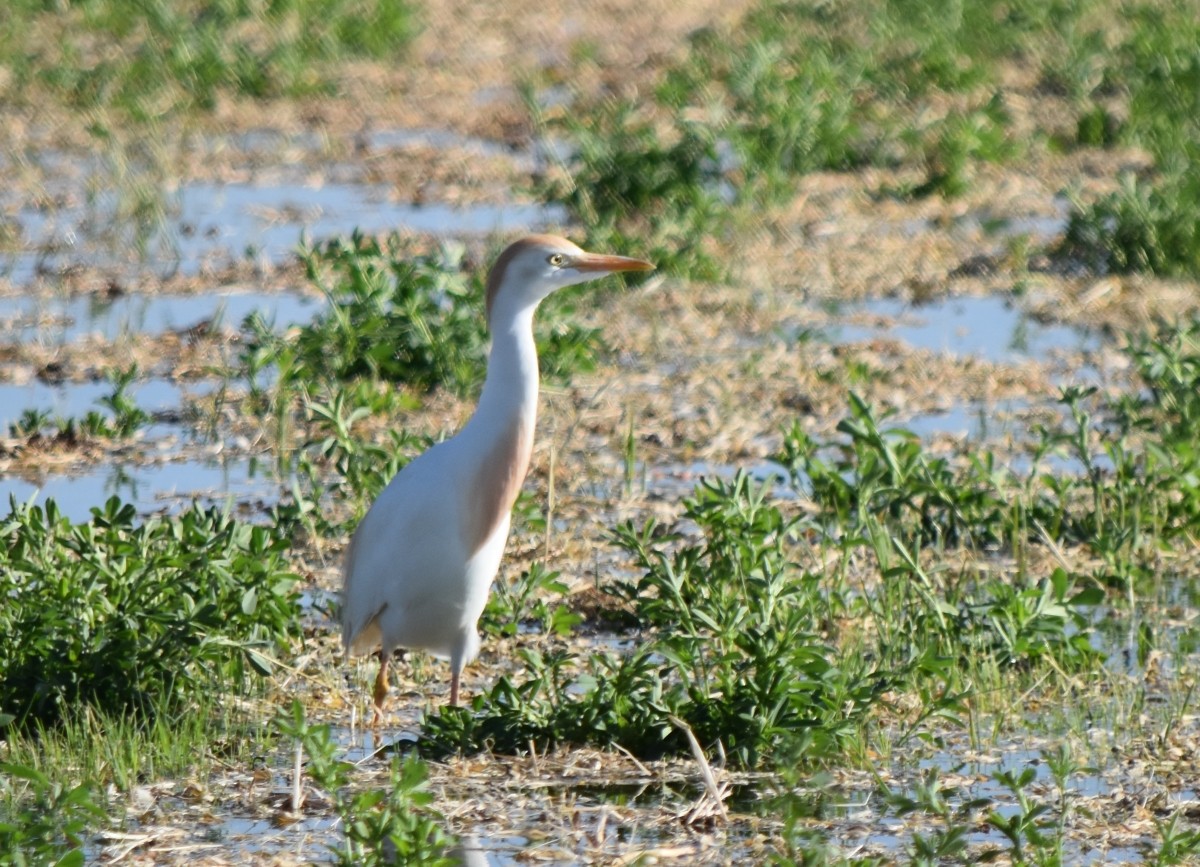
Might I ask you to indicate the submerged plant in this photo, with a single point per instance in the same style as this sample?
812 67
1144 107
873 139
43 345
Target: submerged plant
125 420
127 416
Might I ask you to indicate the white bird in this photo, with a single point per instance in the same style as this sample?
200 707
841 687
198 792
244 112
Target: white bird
420 564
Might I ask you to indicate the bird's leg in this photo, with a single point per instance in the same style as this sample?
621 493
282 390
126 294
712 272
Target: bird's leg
381 688
454 675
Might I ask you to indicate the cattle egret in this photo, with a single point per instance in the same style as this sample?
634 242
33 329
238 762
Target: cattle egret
420 564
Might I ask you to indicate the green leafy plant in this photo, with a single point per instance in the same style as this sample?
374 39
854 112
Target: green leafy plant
1025 625
1177 845
1146 225
521 601
602 700
733 651
31 423
962 140
392 315
888 473
167 57
338 468
43 822
393 825
1027 831
137 618
929 796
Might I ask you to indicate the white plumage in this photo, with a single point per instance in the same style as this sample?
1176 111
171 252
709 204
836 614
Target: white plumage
421 562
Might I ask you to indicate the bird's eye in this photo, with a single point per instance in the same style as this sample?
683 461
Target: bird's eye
555 259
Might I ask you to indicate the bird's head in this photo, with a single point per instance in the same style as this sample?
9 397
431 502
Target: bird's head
530 269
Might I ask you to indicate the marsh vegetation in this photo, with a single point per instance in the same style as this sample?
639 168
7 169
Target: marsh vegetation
792 581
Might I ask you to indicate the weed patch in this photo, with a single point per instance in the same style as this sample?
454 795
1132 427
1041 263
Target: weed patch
393 825
1146 225
1150 223
135 618
792 89
43 822
733 654
158 58
398 317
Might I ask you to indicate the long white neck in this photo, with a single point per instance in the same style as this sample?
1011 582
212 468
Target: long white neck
511 388
499 437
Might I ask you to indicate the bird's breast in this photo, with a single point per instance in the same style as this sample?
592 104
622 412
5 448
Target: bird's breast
496 482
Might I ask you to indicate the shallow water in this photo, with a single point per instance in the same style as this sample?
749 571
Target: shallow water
65 320
969 421
216 224
76 399
152 488
988 327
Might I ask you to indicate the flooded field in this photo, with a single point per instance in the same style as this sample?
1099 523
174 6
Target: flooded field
863 531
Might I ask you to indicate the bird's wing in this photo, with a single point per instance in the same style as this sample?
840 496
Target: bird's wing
398 553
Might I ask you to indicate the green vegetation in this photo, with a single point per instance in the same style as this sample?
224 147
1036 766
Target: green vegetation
1150 222
797 88
154 59
126 642
128 618
400 317
125 418
50 822
338 468
736 656
877 605
523 602
381 826
393 315
1143 226
736 640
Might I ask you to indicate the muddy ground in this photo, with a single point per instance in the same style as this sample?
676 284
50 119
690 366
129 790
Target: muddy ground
705 376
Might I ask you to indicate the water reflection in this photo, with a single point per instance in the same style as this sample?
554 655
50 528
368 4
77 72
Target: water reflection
989 327
155 487
213 225
65 320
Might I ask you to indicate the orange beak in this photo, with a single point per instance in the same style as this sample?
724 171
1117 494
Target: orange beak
608 264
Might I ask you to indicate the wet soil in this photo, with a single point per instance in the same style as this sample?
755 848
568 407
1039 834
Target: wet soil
942 313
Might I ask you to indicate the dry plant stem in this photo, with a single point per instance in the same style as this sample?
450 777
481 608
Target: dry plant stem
297 785
706 772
